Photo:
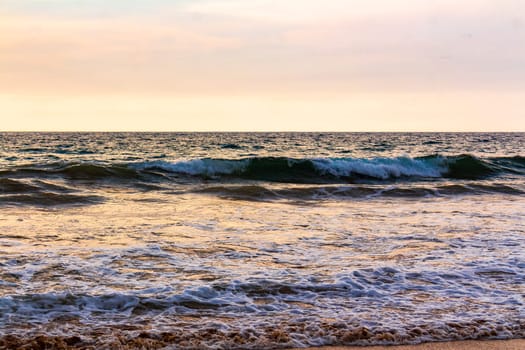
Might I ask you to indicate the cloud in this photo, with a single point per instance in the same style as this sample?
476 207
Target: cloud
103 36
98 53
78 9
316 10
227 47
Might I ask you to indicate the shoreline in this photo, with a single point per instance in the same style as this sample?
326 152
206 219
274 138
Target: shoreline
510 344
143 341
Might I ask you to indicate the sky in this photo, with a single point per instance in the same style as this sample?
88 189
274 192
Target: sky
262 65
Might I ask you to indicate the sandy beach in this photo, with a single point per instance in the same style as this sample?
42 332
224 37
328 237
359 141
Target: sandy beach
514 344
145 342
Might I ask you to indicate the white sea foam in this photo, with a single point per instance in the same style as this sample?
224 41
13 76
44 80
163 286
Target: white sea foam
382 168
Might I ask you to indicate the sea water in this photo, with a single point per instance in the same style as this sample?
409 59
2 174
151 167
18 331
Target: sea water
260 240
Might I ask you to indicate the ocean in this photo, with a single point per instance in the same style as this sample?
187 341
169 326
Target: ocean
260 240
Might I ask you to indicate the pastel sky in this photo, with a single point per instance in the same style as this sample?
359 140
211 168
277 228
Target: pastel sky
253 65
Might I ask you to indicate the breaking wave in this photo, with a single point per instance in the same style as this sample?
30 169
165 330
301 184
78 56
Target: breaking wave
64 183
322 170
288 170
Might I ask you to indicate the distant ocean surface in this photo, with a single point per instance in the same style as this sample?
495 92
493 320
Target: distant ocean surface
260 240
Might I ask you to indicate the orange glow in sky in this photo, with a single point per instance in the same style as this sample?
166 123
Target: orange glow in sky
337 65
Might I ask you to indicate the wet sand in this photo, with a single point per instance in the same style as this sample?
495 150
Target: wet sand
514 344
145 341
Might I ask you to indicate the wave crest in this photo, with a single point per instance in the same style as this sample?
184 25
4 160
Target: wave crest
275 169
322 170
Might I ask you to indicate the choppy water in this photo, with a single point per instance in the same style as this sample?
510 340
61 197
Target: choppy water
260 240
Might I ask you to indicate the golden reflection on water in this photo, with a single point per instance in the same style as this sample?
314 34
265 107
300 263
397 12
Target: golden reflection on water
205 226
331 261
